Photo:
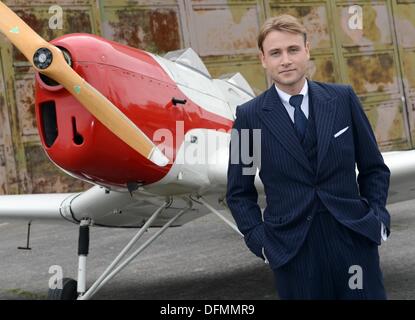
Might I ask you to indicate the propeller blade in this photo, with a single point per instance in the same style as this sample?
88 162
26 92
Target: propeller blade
49 60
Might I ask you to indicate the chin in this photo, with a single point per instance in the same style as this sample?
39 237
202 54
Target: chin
287 82
290 81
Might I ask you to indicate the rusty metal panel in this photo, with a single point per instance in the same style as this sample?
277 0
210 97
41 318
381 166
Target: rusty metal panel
405 30
46 177
322 68
3 173
377 27
224 34
2 107
224 27
13 147
8 175
150 25
388 124
408 59
25 103
409 82
405 23
369 60
373 73
411 109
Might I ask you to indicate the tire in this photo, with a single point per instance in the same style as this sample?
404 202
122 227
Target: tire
68 291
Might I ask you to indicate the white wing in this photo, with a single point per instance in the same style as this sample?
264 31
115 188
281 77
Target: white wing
33 206
402 181
120 209
113 209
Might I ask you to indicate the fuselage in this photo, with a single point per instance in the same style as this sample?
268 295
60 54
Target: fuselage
142 88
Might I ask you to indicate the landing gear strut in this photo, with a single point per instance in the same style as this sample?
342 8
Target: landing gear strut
77 290
71 289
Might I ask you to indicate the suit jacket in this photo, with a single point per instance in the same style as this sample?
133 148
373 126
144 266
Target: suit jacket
292 188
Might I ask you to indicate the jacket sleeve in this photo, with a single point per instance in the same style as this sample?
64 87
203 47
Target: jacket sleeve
242 196
373 177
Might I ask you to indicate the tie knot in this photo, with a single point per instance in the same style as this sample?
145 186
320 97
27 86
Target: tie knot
296 100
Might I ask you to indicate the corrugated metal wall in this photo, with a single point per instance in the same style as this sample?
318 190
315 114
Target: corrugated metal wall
379 61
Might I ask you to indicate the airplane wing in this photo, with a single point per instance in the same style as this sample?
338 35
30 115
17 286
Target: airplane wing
103 207
402 180
121 209
32 207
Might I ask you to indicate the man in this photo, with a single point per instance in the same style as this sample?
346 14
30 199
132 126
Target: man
321 228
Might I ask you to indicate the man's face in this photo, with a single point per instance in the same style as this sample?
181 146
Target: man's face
285 58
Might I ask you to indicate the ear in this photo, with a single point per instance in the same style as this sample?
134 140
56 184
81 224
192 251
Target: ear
262 58
307 49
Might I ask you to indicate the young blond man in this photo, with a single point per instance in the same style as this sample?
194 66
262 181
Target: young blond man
321 227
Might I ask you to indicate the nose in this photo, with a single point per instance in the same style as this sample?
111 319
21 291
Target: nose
285 59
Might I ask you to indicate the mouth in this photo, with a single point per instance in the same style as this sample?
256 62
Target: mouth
286 71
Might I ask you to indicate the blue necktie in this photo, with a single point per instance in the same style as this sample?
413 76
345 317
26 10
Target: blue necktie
300 120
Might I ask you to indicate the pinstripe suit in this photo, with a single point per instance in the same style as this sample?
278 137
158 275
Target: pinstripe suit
311 189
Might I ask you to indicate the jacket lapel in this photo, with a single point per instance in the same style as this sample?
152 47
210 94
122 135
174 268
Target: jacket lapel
324 106
277 120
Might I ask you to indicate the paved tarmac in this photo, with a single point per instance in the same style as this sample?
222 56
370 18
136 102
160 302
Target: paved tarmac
204 259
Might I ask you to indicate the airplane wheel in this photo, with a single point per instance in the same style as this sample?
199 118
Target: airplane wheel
68 291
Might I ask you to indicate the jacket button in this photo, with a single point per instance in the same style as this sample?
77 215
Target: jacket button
309 218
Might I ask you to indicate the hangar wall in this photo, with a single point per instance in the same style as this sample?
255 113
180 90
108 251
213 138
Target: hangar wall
378 61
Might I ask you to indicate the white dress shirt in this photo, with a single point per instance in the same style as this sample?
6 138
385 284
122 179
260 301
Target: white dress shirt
285 99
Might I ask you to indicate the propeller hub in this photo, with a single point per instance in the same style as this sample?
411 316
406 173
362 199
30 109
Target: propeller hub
42 58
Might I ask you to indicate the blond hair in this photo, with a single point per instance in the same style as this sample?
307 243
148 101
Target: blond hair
285 23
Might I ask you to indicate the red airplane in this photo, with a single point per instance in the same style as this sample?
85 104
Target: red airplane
150 133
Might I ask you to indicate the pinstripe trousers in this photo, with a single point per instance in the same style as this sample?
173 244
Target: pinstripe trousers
334 262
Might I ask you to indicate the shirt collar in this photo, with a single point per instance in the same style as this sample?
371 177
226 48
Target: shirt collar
285 97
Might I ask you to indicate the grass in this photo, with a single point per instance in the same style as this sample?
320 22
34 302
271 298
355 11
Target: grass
20 293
